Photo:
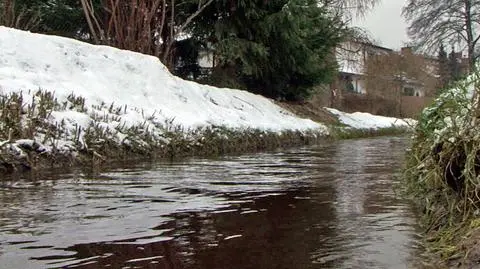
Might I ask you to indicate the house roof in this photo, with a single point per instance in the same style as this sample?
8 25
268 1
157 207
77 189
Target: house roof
366 44
351 56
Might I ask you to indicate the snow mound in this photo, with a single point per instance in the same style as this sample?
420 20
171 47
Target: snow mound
105 75
361 120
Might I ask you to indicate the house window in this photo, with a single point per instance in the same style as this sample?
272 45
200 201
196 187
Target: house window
350 86
408 91
348 82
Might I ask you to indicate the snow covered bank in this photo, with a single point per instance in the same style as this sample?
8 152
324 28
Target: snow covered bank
361 120
141 83
73 97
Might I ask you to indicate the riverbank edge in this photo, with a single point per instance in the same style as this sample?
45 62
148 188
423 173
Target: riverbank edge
451 234
220 141
441 177
32 141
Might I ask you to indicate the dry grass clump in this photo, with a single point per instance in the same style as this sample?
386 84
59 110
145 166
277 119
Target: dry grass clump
443 171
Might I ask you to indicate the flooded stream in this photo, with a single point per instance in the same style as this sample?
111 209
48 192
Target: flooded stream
327 206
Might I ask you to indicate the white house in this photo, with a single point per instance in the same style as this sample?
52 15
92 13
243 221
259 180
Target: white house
352 60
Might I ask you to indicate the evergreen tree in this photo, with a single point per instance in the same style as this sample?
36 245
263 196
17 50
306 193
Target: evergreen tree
276 48
443 67
453 66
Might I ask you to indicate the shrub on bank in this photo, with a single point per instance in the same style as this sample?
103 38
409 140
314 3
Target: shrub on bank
443 173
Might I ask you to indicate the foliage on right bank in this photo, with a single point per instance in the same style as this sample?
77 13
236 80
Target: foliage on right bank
443 172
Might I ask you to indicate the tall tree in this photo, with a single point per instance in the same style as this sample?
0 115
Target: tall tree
278 48
453 21
453 65
443 67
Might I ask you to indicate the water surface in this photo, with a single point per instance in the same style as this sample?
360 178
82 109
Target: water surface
326 206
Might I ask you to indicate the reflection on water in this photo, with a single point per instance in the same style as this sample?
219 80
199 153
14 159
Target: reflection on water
328 206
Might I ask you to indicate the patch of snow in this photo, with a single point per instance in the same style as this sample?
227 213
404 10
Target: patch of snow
362 120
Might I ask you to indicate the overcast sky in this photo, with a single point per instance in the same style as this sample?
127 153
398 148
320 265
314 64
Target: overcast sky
386 24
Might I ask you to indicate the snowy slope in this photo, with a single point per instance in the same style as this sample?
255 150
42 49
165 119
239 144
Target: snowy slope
361 120
104 75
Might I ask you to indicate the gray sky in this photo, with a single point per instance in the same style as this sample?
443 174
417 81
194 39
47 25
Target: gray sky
386 24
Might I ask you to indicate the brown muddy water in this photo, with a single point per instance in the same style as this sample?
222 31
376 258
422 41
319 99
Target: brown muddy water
328 206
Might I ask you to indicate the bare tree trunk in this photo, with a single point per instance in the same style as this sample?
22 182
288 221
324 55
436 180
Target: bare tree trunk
8 13
171 37
129 23
471 60
146 26
20 18
469 29
159 29
88 11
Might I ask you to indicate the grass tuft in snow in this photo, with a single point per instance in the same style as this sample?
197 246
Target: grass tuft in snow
70 130
442 173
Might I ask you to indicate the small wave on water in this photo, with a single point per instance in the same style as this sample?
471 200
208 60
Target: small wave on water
326 206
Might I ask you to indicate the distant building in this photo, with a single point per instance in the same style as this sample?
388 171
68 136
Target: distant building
352 60
382 81
353 57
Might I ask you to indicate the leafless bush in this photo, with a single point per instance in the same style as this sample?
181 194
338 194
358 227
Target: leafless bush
145 26
388 75
20 18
